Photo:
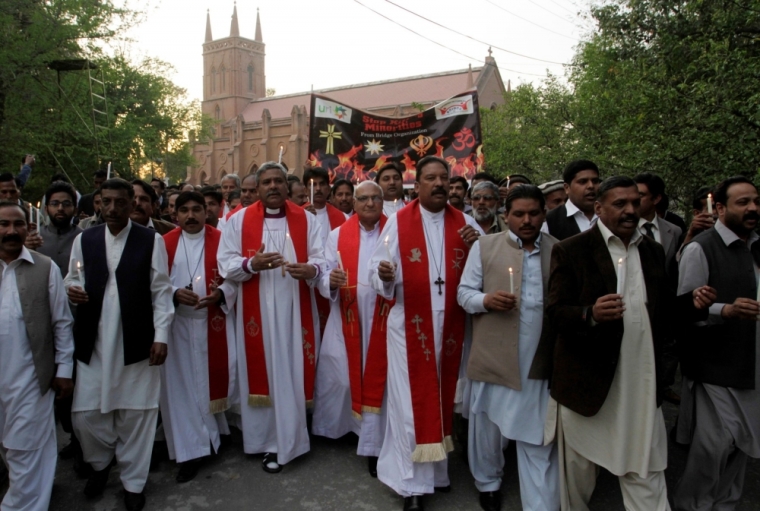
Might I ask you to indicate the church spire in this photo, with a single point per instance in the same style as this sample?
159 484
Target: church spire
258 37
208 27
234 29
470 82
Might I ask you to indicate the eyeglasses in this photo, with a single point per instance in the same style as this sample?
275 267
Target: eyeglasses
361 199
57 203
476 198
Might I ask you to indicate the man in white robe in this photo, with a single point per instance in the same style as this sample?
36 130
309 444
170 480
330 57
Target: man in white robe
121 332
36 349
193 418
274 423
333 412
510 358
396 466
390 179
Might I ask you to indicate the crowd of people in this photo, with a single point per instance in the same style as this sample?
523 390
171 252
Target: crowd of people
485 311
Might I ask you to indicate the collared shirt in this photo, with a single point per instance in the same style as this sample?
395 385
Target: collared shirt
696 270
57 244
584 224
497 224
633 278
655 228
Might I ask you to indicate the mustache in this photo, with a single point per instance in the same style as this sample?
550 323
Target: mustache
752 215
275 193
191 221
626 218
438 190
10 238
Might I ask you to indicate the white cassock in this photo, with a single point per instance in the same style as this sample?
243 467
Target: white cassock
395 467
115 406
332 394
190 427
390 207
323 219
280 428
27 427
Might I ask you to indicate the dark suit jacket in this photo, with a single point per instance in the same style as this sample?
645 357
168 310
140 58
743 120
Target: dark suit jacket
560 225
585 356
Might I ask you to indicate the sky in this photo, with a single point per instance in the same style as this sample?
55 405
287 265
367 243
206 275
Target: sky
323 44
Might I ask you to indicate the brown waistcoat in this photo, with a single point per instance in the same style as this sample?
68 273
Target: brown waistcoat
494 356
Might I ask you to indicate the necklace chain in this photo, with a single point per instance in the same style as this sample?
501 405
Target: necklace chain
197 265
269 235
435 262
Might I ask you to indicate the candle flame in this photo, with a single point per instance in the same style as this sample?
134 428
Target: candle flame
79 265
386 239
510 270
709 195
620 261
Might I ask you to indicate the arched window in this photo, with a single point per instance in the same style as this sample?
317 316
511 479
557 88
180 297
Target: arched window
217 113
213 80
250 77
222 72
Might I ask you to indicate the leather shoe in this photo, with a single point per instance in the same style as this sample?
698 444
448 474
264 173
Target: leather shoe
188 470
134 501
490 500
96 484
372 465
73 449
443 489
413 503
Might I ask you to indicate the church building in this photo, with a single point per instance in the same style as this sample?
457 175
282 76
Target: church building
252 128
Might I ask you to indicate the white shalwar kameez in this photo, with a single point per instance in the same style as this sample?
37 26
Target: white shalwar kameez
332 394
115 407
395 466
499 414
627 436
27 427
281 427
190 427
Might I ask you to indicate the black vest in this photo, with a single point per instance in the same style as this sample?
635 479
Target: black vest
560 225
724 354
133 283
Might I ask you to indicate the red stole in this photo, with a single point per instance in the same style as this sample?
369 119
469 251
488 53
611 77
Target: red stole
336 219
218 359
233 211
366 392
432 393
258 382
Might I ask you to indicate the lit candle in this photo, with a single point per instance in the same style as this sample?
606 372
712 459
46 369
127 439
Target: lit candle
108 174
508 180
280 160
31 218
79 272
340 262
394 204
287 241
511 281
388 250
621 277
709 204
312 192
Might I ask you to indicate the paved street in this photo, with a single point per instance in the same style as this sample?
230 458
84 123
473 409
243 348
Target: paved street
330 477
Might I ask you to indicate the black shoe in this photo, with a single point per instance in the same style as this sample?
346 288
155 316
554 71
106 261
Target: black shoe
443 489
413 503
83 470
134 501
72 450
490 500
159 453
96 484
270 458
372 465
188 470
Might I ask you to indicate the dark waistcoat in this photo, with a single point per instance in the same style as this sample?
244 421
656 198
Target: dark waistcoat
560 225
133 283
724 354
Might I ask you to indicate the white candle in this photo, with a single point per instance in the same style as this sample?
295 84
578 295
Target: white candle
709 204
388 250
312 192
31 217
79 272
508 180
287 241
394 204
511 282
621 277
280 160
108 174
340 262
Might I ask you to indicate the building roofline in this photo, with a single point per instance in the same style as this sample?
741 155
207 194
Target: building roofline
368 84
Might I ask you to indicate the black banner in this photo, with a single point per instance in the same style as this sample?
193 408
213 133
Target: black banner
353 144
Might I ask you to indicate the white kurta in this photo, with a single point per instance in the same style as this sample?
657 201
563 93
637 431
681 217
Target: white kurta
332 399
395 466
106 384
628 434
191 429
390 207
280 428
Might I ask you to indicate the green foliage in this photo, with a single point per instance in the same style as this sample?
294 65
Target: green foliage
50 113
667 86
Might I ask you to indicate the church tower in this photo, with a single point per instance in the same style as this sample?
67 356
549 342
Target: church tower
233 70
